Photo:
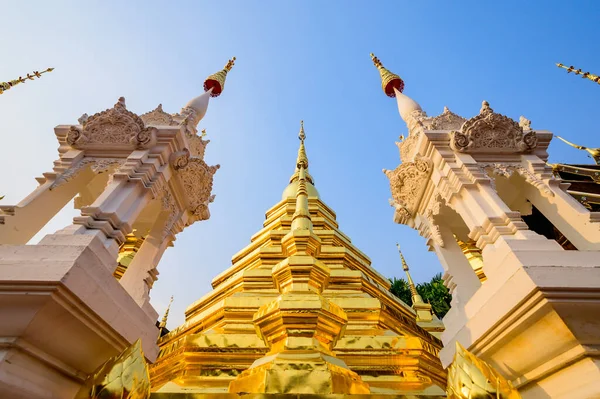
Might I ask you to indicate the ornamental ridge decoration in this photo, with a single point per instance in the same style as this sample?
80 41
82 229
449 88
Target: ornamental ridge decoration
447 120
115 127
407 183
492 132
158 117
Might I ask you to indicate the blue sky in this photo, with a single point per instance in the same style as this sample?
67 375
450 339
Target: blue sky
295 60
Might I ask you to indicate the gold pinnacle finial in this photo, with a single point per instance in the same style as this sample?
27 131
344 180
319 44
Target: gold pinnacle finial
594 152
301 135
203 132
7 85
163 323
416 298
302 160
389 80
585 75
216 81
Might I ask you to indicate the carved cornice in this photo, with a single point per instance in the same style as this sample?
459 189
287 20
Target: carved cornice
98 165
408 182
490 132
507 170
115 127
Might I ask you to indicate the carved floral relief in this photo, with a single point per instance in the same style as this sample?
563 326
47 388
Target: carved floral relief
116 126
492 132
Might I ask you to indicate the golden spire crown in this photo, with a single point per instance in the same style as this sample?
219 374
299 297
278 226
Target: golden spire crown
7 85
389 80
594 152
585 75
302 159
216 81
416 298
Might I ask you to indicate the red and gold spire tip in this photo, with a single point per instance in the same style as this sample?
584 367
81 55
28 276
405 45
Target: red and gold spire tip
389 80
216 81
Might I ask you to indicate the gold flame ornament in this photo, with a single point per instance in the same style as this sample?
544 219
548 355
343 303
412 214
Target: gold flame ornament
7 85
216 81
584 75
471 378
122 377
389 80
594 152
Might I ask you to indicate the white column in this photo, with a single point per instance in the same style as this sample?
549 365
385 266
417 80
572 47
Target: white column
28 217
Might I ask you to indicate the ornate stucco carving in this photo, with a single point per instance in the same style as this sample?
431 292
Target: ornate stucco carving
415 123
98 165
169 205
180 159
447 120
115 127
197 180
507 170
524 123
158 117
407 183
197 145
492 132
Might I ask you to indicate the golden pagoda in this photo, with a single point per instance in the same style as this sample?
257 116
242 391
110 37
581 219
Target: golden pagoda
300 311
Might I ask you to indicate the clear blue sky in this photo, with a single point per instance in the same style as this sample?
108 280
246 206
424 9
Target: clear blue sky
296 60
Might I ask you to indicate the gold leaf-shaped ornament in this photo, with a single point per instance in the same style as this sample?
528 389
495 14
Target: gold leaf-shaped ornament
121 377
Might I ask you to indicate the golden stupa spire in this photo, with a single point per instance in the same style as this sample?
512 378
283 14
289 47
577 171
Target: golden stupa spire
389 80
302 158
7 85
585 75
416 298
594 152
163 323
216 81
301 219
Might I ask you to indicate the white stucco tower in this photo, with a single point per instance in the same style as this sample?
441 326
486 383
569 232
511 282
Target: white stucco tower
521 256
68 303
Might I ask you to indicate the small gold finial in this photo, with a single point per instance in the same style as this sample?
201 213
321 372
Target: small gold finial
416 298
389 80
203 132
163 322
594 152
301 135
302 160
216 81
7 85
585 75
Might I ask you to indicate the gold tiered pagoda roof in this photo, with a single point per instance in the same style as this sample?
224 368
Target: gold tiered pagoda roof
300 311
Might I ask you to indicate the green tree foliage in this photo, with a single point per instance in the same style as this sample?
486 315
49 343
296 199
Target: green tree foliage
433 292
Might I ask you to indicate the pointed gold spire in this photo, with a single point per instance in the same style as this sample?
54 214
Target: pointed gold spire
7 85
216 81
302 160
416 298
301 219
389 80
163 323
594 152
585 75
